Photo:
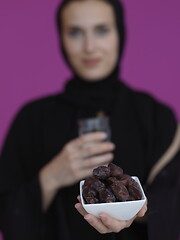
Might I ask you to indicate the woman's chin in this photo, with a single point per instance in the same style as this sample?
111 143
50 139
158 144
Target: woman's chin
93 77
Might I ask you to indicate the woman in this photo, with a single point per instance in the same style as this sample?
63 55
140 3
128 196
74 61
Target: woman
48 159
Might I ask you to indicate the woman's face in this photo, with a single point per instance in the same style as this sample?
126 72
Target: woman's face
90 38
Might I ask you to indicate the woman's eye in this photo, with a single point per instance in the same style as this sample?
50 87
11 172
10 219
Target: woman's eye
75 33
102 31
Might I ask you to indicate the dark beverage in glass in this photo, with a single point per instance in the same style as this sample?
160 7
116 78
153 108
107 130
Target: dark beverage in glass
97 124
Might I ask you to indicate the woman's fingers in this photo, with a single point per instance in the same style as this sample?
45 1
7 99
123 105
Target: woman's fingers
96 148
104 224
143 210
113 224
88 138
92 220
78 143
97 224
91 137
80 209
95 151
97 160
79 198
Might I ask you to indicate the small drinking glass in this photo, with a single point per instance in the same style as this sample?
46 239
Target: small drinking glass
97 124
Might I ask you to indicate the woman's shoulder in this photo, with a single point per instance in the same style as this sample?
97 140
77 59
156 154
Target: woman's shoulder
139 96
155 117
35 110
146 103
41 104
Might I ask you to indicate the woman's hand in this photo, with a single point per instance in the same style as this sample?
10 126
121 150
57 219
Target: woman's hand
79 157
75 161
107 224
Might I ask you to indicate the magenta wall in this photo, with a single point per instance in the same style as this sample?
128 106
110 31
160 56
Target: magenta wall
30 64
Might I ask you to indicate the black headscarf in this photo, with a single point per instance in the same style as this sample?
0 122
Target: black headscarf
96 95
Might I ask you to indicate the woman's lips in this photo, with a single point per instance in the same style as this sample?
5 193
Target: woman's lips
91 62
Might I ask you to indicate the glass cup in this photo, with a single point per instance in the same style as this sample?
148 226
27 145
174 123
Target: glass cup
97 124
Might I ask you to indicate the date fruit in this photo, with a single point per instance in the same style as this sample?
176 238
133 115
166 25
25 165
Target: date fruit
109 184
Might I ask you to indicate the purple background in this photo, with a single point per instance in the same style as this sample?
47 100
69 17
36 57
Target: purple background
31 66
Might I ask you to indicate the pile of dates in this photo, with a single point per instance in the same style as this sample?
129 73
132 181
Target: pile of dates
109 184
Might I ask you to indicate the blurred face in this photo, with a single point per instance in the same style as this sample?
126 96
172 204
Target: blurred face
90 38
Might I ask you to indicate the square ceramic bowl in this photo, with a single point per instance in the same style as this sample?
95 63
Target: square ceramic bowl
119 210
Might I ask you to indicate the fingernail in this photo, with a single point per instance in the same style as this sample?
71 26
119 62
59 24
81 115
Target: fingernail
102 216
87 218
76 205
110 155
104 135
112 145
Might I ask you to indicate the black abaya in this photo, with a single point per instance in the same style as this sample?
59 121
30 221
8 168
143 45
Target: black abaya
142 130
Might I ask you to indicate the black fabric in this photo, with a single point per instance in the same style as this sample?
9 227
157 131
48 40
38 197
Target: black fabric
91 97
142 130
165 208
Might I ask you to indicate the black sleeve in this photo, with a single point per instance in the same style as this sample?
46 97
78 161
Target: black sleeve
21 215
163 192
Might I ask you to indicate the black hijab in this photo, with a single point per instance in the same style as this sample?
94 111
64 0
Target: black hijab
96 95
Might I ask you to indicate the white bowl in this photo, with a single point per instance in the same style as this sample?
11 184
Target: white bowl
119 210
